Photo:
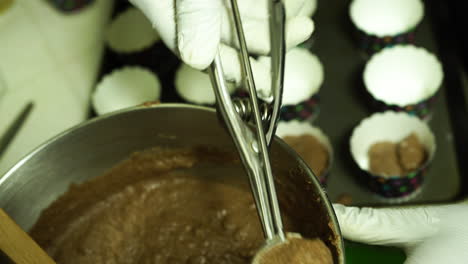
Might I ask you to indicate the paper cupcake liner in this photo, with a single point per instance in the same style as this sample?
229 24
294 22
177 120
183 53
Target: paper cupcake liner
70 5
371 44
385 23
158 58
307 110
395 189
125 87
140 47
401 200
391 126
422 110
296 128
404 78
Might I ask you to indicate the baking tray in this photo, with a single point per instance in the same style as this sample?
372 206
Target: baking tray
344 102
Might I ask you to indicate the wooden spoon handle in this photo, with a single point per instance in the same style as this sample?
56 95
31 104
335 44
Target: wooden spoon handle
18 245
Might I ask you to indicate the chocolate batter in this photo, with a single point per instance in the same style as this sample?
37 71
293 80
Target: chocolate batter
397 159
148 209
411 152
312 151
384 159
297 250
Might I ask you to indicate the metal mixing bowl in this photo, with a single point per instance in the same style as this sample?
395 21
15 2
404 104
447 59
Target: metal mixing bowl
94 147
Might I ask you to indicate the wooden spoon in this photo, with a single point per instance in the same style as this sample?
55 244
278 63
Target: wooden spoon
18 245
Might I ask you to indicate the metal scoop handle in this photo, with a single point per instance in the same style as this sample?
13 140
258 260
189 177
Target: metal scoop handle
278 51
253 147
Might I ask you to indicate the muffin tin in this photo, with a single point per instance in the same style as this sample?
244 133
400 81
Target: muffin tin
345 102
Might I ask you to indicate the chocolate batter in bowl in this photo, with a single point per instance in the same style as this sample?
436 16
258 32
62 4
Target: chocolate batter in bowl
178 194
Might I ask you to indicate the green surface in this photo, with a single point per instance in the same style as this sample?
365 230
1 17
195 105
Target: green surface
357 253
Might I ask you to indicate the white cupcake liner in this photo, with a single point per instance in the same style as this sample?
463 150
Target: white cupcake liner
394 127
384 18
131 32
388 126
303 75
296 128
195 86
403 75
125 87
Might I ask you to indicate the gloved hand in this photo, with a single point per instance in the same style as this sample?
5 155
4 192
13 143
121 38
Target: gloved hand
429 235
194 29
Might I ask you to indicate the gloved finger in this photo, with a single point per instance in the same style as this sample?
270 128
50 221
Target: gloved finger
308 9
230 60
195 86
449 244
161 13
293 7
199 31
257 33
298 30
450 249
388 226
198 25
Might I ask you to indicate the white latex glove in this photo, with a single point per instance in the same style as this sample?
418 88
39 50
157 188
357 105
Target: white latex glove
194 29
429 235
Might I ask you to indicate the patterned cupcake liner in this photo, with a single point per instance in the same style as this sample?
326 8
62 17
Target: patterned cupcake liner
307 110
158 58
371 44
423 109
391 126
296 128
70 5
395 186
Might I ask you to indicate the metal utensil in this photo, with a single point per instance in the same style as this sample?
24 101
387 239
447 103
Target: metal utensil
253 145
14 128
59 162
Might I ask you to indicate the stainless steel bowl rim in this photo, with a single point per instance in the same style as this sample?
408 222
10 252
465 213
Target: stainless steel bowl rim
285 146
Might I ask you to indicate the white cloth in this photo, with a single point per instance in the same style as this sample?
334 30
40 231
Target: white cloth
430 235
52 59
